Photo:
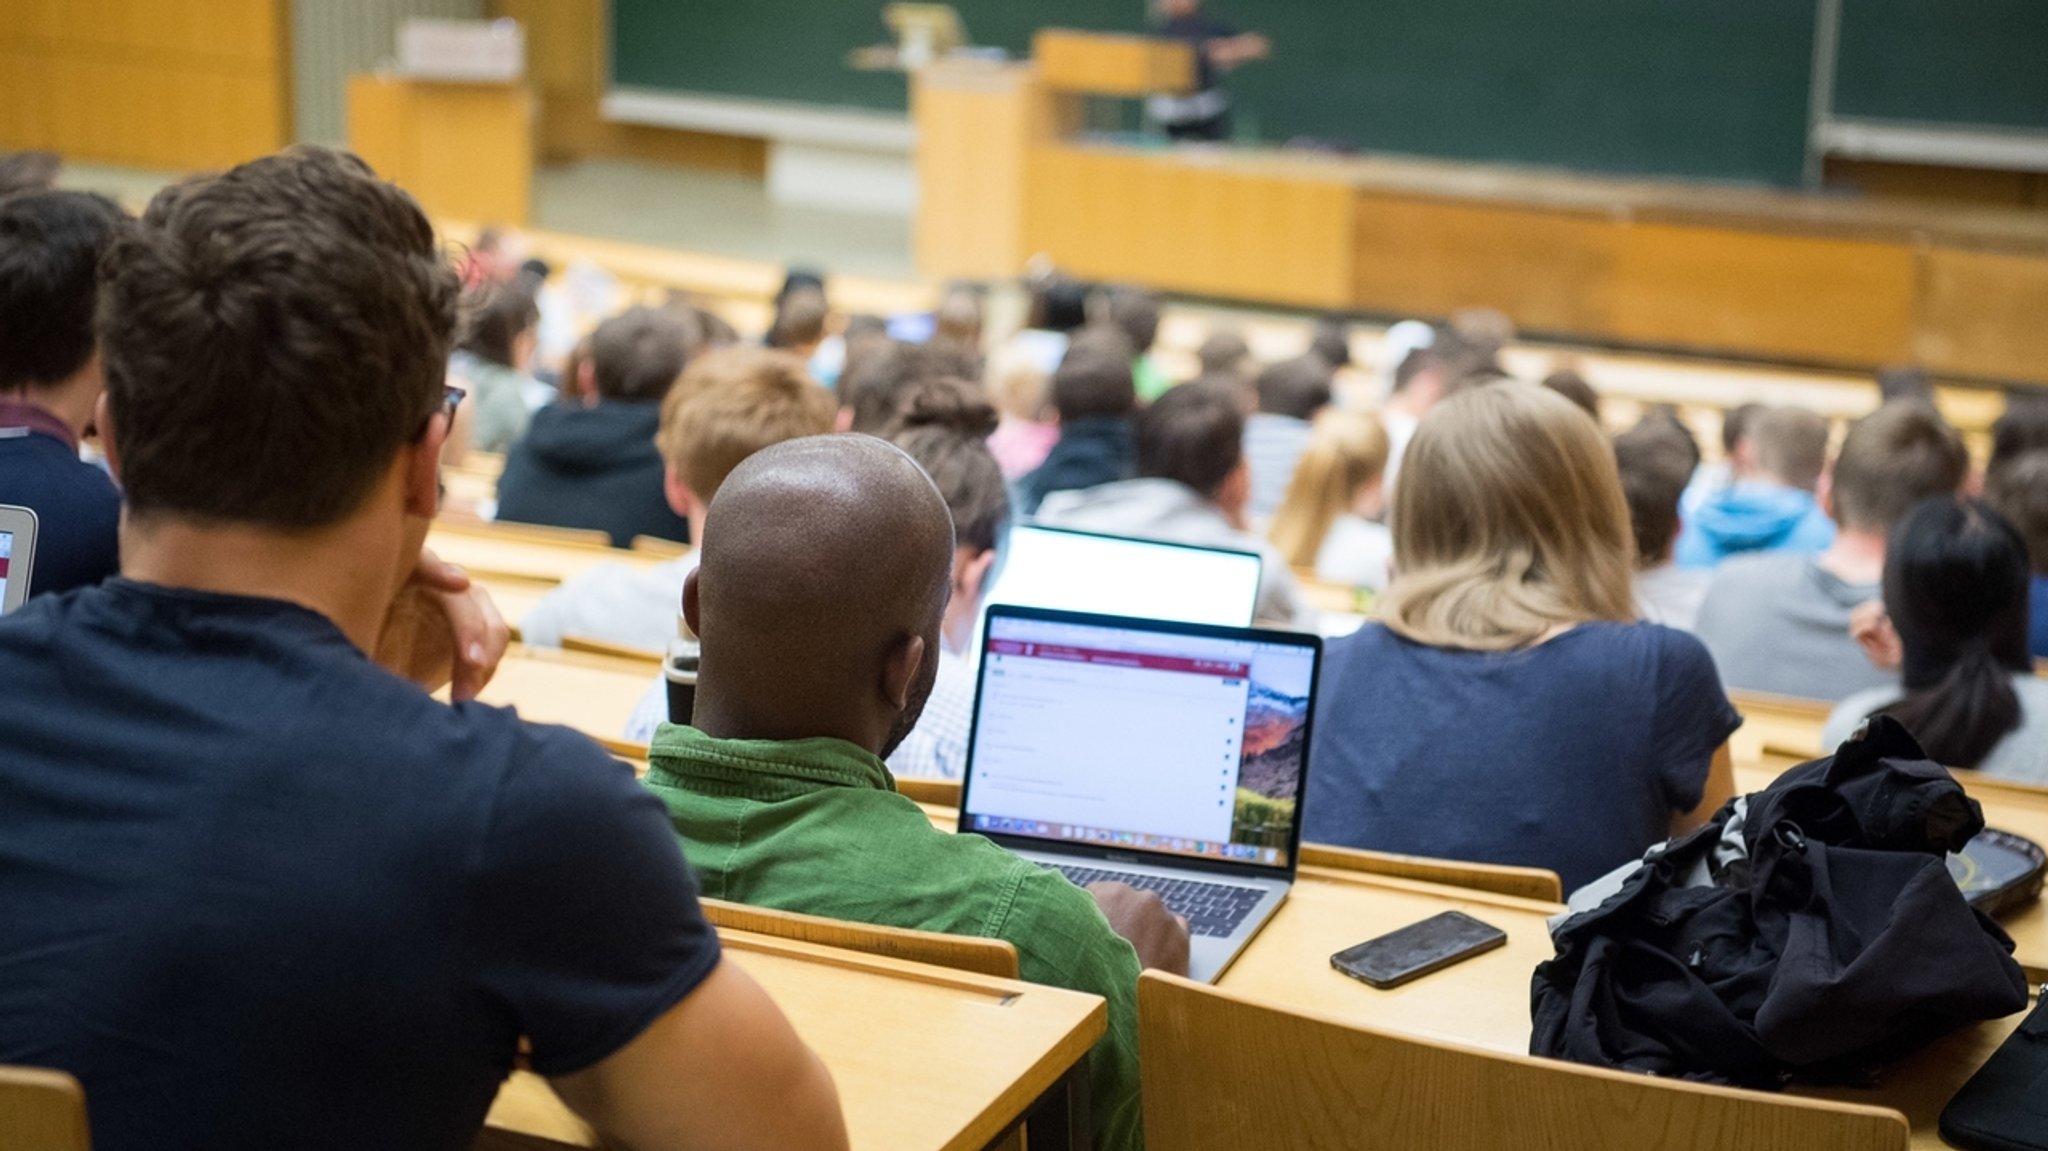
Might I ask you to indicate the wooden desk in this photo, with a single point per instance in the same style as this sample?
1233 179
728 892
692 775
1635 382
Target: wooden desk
486 554
1484 1001
461 149
925 1059
594 694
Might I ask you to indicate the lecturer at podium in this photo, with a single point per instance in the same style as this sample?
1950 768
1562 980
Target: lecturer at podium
1203 114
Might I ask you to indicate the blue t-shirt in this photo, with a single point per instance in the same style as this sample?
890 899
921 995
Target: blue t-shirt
1571 755
2037 618
78 509
256 892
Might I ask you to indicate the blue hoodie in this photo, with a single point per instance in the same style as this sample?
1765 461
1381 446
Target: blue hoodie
1753 517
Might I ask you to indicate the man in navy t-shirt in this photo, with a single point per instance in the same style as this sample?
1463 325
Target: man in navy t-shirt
258 891
1204 113
50 244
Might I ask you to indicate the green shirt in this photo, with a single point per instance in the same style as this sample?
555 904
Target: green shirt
1150 379
816 826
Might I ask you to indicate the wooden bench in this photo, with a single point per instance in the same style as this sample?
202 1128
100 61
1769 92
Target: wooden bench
1224 1072
925 1059
42 1110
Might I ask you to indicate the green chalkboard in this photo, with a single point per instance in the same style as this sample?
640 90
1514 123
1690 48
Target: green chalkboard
1696 88
1964 62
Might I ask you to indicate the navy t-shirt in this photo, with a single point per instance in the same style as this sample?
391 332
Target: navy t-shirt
78 509
1571 755
255 892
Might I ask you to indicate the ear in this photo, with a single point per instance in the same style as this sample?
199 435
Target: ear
423 470
586 382
103 419
900 668
970 573
1824 494
1234 494
692 613
680 499
842 421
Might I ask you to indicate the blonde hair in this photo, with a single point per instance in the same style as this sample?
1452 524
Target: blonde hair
1346 451
731 403
1509 521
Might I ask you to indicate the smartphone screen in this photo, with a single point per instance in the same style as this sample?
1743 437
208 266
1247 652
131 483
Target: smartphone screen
1418 949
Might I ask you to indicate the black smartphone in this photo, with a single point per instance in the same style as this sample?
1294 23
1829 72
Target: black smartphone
1418 949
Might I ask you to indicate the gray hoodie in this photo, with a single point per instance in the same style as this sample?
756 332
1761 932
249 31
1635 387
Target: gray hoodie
1168 510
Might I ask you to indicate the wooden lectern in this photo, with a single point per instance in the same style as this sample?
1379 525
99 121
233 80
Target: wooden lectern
978 123
464 150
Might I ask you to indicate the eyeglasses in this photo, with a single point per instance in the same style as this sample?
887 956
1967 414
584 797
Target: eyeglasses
451 399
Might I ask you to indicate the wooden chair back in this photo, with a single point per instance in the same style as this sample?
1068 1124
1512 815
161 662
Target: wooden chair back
610 650
42 1111
1778 728
1498 878
937 792
997 957
1221 1072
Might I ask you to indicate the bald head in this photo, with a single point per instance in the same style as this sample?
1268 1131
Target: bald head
818 596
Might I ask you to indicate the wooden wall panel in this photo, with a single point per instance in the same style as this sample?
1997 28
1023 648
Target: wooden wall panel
1206 229
1548 271
177 84
1984 314
1725 289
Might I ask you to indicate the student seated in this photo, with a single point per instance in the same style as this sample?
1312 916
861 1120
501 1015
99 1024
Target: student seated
819 652
1769 507
1290 393
945 426
1192 487
260 891
494 361
50 382
1093 395
1327 522
1778 622
1655 459
1448 363
593 464
1567 382
1135 312
730 404
1029 425
1509 708
2019 490
1955 596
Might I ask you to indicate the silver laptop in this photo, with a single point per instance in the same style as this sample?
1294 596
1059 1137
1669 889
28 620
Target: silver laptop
1115 575
17 555
1168 756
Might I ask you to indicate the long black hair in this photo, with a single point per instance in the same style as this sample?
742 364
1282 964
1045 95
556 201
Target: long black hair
1955 584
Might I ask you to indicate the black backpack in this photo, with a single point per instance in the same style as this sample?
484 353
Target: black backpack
1808 931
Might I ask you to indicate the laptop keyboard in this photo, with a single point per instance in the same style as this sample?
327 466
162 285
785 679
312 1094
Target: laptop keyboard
1210 908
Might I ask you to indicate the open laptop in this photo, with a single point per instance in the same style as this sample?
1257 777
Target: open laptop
1115 575
1169 756
17 555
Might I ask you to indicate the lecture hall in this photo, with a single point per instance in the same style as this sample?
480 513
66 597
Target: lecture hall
1434 575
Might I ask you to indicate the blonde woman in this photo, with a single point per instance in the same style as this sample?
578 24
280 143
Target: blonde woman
1325 521
1509 707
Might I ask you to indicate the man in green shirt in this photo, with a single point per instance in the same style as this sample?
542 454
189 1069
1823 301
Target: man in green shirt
818 601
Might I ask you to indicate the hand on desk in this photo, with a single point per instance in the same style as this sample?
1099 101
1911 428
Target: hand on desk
1160 936
442 629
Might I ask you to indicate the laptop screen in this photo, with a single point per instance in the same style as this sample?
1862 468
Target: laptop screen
1112 575
6 554
1182 741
